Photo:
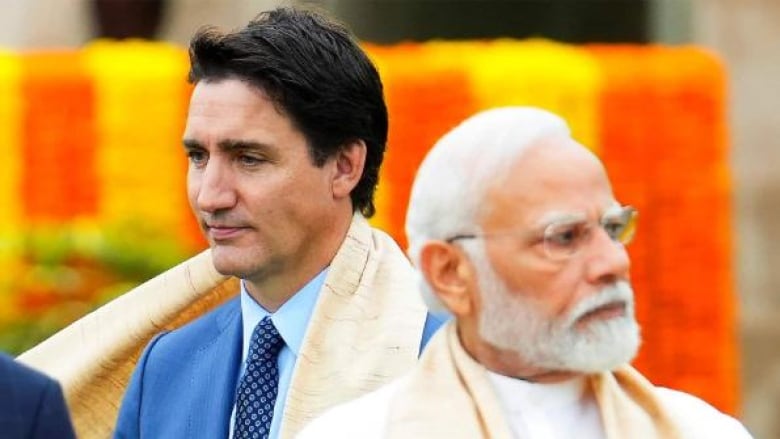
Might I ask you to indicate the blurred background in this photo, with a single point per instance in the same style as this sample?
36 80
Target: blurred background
57 270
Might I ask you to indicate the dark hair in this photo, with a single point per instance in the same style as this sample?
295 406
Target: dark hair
315 73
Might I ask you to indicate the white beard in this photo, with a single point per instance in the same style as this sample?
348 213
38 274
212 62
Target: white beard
511 321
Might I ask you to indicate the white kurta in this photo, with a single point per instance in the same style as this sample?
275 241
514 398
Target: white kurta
449 395
549 411
562 416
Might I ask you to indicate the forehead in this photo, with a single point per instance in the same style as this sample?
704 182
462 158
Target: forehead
553 176
231 108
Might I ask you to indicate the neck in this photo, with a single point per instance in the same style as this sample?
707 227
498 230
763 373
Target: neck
272 291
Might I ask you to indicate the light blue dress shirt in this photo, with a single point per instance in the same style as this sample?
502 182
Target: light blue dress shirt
291 320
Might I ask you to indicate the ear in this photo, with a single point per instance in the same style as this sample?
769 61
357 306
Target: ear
349 164
450 275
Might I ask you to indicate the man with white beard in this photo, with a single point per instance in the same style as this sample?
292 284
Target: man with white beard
515 230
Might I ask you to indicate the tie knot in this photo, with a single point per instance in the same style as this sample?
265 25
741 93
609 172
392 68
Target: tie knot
266 340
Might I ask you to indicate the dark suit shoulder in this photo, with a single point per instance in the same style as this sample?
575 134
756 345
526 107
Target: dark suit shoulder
31 403
13 373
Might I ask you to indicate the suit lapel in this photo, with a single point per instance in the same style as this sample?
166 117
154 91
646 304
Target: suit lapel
217 364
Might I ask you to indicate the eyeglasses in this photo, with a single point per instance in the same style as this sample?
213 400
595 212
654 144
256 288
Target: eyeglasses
564 237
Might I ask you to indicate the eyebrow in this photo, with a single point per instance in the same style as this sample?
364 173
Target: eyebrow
613 209
558 217
228 145
569 217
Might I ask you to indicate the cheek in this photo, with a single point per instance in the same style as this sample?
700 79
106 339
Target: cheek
553 288
565 290
308 179
521 270
193 187
271 201
306 192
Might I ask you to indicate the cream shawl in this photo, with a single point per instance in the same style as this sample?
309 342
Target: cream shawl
365 330
449 396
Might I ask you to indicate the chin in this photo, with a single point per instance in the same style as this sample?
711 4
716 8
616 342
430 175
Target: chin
226 269
607 346
227 262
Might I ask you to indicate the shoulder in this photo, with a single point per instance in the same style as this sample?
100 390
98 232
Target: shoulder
363 417
31 401
698 418
13 372
183 348
199 332
176 366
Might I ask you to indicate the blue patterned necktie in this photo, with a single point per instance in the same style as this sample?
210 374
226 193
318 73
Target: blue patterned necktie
256 394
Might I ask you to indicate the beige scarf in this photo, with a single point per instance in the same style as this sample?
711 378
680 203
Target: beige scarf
365 330
449 396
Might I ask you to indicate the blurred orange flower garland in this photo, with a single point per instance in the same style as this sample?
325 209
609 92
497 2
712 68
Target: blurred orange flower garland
94 183
670 159
141 94
107 164
421 108
10 179
58 140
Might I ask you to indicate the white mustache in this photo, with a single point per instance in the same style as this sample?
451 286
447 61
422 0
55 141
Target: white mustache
619 291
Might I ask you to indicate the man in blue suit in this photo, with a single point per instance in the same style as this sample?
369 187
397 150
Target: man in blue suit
31 404
285 135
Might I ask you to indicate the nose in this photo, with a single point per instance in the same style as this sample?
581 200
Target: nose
608 260
212 187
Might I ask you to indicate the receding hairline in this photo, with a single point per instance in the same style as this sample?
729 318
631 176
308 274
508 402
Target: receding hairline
523 154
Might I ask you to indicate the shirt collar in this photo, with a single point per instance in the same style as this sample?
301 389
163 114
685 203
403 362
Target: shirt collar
291 319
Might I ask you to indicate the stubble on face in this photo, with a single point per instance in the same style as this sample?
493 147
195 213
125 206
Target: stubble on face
267 210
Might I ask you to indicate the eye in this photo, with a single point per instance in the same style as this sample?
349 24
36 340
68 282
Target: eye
249 160
621 228
197 157
614 228
564 235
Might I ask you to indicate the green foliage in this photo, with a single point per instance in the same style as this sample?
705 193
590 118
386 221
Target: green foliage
65 271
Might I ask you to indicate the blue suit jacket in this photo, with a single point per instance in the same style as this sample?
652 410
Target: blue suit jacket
184 383
31 404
